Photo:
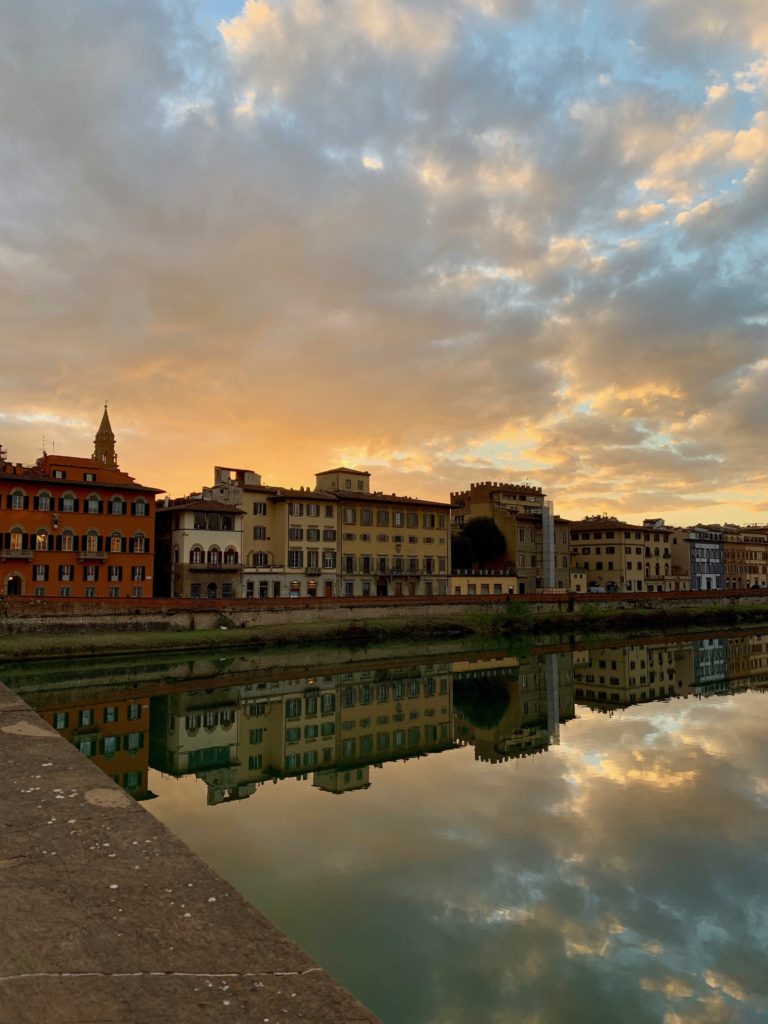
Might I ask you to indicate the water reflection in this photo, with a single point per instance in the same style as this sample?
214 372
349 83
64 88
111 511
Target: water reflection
553 835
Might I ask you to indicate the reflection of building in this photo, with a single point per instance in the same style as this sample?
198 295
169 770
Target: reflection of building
113 733
199 549
615 677
236 738
537 540
508 707
711 670
73 527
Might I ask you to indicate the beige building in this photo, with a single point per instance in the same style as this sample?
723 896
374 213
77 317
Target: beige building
612 555
483 582
537 550
338 538
199 549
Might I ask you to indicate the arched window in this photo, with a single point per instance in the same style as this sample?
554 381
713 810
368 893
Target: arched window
41 540
17 539
141 508
92 541
230 556
44 502
197 555
212 591
18 500
116 505
260 559
115 542
214 555
139 543
68 502
92 503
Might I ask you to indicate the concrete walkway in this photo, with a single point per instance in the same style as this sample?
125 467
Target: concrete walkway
106 917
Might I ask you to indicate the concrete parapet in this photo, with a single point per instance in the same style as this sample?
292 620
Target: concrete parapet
109 917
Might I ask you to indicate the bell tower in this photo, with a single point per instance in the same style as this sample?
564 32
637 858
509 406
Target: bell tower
104 445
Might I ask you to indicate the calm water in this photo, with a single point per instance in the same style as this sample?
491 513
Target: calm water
550 835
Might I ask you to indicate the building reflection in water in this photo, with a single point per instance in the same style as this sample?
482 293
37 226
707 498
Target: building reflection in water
337 726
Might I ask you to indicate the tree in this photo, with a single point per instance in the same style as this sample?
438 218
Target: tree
485 539
462 552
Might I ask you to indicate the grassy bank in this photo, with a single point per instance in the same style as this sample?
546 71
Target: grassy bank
33 646
513 619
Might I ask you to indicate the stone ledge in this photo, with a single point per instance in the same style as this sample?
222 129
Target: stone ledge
107 916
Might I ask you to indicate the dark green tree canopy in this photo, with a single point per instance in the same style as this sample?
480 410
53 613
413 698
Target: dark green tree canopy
478 542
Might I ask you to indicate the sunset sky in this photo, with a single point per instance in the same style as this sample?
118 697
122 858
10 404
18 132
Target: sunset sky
443 240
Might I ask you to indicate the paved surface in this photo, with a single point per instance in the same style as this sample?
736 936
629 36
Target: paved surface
106 917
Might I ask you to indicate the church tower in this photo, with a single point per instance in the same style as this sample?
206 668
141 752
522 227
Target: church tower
104 446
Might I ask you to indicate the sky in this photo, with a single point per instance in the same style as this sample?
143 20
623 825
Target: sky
442 240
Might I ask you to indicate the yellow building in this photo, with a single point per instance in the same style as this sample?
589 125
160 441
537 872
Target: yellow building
622 557
338 538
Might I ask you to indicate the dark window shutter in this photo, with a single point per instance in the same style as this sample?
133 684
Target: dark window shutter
26 501
101 506
133 508
75 542
96 573
123 544
99 543
36 503
76 504
46 569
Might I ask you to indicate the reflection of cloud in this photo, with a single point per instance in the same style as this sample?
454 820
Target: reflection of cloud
622 871
425 231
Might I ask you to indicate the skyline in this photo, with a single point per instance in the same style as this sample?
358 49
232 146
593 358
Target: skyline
441 242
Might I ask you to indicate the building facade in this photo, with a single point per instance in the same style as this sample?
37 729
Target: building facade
538 550
199 549
76 527
612 555
337 538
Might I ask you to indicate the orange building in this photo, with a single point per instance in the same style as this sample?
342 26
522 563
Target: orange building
73 527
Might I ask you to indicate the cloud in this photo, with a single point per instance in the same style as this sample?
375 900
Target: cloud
421 233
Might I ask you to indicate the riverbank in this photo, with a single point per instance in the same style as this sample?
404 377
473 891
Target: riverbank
40 629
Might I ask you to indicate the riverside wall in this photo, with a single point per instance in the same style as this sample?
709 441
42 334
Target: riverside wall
107 916
29 615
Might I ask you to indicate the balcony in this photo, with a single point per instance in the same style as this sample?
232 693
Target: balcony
214 566
92 556
21 553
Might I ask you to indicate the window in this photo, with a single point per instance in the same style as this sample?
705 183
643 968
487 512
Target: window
350 516
139 543
92 504
292 762
293 734
296 508
85 717
114 591
66 572
196 556
59 474
293 707
65 592
68 503
295 558
259 508
115 542
311 732
18 500
141 508
41 540
43 501
366 517
397 518
382 517
137 572
92 541
261 559
329 535
329 559
214 555
313 533
413 520
110 713
254 762
116 506
429 520
295 533
61 720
